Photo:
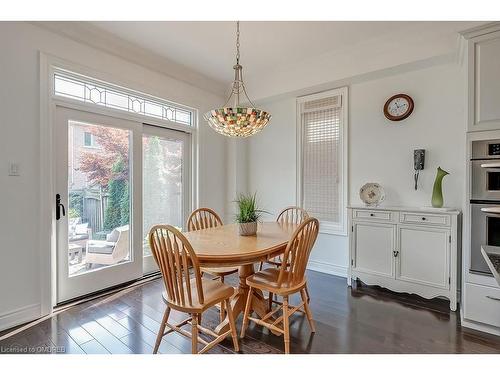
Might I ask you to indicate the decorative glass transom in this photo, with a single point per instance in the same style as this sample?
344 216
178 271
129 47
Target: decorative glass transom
107 95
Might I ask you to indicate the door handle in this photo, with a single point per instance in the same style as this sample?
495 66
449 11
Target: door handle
491 210
491 165
59 207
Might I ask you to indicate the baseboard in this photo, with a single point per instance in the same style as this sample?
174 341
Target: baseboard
480 327
329 268
19 316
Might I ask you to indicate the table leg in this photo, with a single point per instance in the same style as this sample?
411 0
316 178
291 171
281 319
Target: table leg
259 302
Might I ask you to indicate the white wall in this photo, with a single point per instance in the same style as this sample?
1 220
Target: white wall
20 44
379 150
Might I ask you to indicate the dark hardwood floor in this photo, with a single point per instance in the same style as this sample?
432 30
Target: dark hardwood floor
348 320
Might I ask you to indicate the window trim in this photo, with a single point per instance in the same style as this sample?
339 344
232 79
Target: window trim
326 227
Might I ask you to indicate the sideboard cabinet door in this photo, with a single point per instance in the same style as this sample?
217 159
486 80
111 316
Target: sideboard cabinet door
374 244
424 256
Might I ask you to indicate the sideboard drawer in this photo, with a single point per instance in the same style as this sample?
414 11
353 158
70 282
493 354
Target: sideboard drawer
425 218
373 215
482 304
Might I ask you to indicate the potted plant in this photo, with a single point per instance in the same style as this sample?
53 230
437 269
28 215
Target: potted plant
248 214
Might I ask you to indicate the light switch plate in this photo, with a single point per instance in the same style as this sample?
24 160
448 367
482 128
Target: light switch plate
13 169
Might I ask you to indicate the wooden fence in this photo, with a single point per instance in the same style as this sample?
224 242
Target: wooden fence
93 206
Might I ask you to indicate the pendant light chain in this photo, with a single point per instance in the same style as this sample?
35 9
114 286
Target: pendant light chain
237 42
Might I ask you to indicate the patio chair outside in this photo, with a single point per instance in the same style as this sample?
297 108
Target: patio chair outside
109 252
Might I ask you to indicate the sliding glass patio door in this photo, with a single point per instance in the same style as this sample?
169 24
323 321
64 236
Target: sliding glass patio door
98 202
115 179
165 182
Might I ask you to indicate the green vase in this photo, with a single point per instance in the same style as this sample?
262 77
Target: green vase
437 190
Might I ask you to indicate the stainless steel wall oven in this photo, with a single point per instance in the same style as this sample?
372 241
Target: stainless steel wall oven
485 201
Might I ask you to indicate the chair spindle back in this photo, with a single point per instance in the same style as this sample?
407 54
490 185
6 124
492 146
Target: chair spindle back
297 253
292 215
203 218
175 257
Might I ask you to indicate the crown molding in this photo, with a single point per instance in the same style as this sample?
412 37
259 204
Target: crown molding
446 59
86 33
487 28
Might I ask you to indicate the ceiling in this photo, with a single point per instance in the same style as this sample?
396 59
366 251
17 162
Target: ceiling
284 56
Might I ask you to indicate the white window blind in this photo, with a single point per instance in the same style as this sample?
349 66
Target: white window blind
321 120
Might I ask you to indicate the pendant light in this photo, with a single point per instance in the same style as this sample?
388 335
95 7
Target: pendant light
237 121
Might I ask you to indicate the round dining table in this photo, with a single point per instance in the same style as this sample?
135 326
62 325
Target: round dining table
223 246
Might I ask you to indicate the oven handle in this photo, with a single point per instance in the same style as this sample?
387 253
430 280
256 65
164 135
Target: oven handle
491 210
491 165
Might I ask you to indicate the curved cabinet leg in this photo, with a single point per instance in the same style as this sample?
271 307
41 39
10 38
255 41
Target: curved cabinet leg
453 303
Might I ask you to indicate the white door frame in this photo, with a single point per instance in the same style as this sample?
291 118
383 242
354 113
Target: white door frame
48 103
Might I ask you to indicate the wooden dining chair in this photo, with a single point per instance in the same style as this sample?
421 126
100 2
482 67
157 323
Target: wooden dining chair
289 215
204 218
287 279
192 295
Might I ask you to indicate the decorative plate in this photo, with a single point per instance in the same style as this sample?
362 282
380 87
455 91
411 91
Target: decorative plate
372 194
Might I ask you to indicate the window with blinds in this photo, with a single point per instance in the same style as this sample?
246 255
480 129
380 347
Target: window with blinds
322 192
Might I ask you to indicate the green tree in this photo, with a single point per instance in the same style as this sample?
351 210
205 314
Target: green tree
116 189
76 204
125 207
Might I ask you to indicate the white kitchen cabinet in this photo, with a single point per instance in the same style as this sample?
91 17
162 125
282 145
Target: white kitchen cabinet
409 250
482 306
483 69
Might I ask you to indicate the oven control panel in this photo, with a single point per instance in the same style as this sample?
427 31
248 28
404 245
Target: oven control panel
486 149
494 149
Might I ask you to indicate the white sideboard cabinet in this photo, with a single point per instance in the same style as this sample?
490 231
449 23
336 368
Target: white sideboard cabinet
410 250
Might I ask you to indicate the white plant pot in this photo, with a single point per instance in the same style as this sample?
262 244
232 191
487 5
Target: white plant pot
248 229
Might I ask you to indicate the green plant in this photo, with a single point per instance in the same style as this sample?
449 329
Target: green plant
248 212
117 190
73 213
76 203
124 206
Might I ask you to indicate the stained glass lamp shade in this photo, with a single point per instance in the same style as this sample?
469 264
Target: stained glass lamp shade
237 120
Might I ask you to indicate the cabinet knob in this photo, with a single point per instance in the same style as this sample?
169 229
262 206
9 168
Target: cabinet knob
372 214
424 218
395 252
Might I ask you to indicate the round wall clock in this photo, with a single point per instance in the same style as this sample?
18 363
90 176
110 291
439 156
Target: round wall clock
398 107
